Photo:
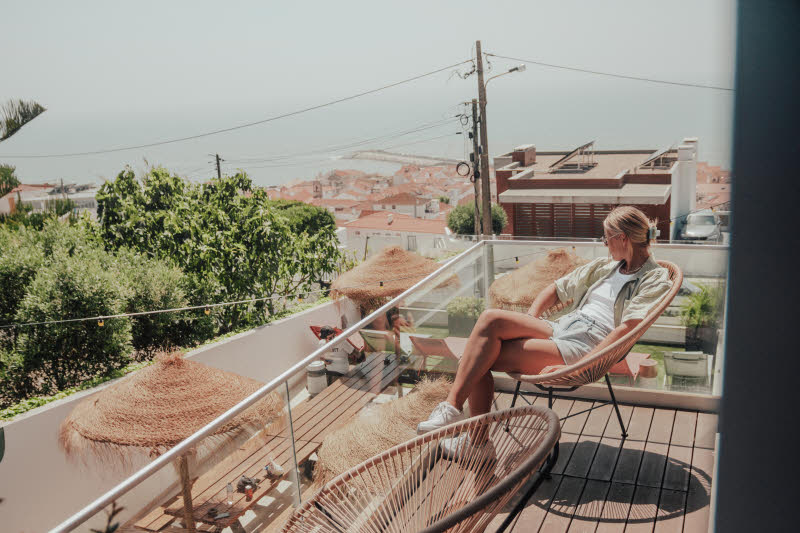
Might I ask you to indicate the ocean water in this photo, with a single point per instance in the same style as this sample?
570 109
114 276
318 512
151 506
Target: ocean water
552 113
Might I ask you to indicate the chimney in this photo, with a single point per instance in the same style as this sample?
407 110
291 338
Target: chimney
389 219
525 155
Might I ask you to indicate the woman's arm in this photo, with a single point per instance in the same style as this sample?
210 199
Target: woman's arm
617 333
544 301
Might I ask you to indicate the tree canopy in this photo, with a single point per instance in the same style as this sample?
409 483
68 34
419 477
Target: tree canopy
461 220
225 234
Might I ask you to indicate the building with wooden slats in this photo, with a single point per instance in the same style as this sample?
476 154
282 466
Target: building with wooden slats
568 194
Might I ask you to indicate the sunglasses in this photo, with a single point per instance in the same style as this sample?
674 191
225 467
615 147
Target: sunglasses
606 239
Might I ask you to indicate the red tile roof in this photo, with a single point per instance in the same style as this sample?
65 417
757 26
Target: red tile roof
380 221
404 198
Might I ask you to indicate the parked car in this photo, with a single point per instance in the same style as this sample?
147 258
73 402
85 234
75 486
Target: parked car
702 226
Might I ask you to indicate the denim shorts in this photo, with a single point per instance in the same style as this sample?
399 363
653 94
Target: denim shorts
576 335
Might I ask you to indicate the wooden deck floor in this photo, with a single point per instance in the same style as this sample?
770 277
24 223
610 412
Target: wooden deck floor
658 479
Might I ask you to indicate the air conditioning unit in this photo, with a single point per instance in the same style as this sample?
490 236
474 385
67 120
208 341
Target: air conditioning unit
687 364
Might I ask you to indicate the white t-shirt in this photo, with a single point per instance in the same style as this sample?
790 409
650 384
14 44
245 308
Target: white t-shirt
599 305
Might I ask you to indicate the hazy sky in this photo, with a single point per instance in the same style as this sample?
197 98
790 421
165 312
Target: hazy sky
114 74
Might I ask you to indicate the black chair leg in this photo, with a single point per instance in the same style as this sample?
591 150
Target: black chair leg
616 408
516 393
514 400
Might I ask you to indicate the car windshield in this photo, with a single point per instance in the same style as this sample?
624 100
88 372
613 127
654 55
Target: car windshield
701 220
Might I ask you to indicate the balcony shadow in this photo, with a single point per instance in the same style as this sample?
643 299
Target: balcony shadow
614 506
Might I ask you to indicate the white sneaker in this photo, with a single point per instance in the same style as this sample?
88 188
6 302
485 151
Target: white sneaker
456 448
442 415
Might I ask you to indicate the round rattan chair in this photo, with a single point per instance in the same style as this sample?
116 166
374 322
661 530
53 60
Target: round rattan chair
416 486
596 366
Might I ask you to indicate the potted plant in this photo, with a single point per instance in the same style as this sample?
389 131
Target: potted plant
700 315
462 313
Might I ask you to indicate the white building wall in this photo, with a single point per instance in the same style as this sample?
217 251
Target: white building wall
684 184
40 488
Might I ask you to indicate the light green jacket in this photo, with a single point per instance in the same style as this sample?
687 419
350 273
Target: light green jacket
635 299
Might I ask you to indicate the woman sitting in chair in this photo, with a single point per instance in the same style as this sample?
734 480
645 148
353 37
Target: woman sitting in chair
605 299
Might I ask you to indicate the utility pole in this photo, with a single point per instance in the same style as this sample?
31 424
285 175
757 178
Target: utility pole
484 151
476 163
219 171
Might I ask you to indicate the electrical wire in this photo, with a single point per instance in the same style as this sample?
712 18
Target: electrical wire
612 75
339 147
240 126
421 141
297 295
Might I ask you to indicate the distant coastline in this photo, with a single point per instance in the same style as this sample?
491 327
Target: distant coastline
404 159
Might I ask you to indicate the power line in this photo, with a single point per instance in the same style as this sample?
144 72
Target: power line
612 75
240 126
339 147
297 295
421 141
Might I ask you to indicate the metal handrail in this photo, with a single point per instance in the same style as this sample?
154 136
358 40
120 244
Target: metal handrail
185 445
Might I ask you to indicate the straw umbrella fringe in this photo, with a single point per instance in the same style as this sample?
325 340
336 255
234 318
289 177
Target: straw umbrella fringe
159 406
518 290
385 275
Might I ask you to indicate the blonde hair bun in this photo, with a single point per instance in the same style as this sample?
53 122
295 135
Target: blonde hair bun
634 224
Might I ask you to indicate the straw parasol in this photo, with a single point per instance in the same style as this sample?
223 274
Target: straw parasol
159 406
518 290
385 275
378 429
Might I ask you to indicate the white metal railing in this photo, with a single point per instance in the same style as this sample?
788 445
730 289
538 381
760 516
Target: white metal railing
185 445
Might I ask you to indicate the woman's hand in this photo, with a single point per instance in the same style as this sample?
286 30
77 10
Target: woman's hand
544 301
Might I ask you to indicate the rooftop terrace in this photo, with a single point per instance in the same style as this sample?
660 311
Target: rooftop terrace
662 471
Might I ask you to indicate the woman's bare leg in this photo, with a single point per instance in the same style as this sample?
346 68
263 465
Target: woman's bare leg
484 348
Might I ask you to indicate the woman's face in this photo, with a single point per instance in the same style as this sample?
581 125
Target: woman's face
617 243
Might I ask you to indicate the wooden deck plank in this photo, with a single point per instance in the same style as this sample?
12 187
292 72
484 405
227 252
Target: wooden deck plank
683 428
534 513
583 456
630 458
661 426
567 444
563 506
605 460
639 425
575 424
615 508
671 507
612 429
699 494
706 433
679 463
561 406
643 511
308 414
654 460
597 420
590 507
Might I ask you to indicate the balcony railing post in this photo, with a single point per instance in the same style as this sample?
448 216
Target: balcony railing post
296 469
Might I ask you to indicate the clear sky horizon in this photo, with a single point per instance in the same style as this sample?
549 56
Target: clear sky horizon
116 74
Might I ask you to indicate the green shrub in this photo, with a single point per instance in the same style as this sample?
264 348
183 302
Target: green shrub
702 308
153 284
303 217
20 259
55 356
461 220
466 306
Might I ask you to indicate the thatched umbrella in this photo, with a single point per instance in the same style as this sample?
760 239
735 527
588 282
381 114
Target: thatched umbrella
385 275
518 290
159 406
